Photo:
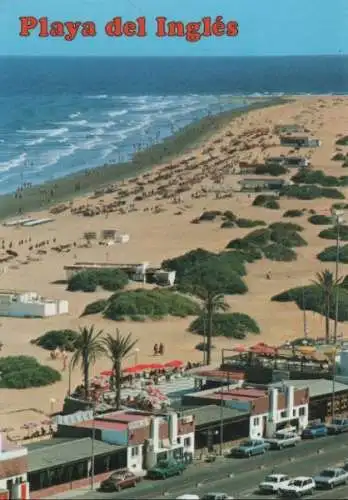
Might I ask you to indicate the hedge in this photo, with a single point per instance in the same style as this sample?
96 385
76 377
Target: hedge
22 372
293 213
250 223
311 298
316 177
95 307
88 281
266 201
330 253
331 233
320 220
271 169
310 192
285 226
156 304
247 251
288 238
259 237
57 339
232 325
279 253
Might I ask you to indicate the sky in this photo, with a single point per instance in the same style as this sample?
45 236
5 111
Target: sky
266 27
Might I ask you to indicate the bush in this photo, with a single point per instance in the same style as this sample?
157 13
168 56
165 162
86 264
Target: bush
201 346
227 224
263 199
293 213
288 238
95 307
311 299
272 204
273 170
250 223
57 339
248 251
342 141
209 215
331 233
22 372
259 237
285 226
279 253
339 206
338 157
232 325
329 254
319 220
315 177
228 215
154 304
310 192
88 281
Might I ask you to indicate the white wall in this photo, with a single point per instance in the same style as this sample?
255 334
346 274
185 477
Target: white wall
3 482
135 457
32 309
188 442
256 425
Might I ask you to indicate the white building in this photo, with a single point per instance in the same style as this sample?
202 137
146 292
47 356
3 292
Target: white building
13 470
30 305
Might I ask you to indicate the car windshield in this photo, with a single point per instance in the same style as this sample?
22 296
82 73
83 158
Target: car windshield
117 476
327 473
247 443
271 479
295 482
281 436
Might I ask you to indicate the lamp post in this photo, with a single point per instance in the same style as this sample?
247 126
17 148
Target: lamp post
338 220
69 377
136 353
92 448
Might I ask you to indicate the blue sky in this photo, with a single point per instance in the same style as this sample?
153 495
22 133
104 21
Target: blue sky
267 27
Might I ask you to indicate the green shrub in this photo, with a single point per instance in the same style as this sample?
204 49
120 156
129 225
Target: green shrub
250 223
209 215
232 325
201 346
285 226
320 220
339 206
315 177
233 260
288 238
227 224
22 372
271 169
272 204
247 251
88 281
342 141
57 339
311 298
331 233
293 213
264 200
228 215
259 237
279 253
95 307
329 254
310 192
338 157
154 304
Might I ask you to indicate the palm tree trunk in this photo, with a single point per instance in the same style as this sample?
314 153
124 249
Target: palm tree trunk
117 370
327 321
86 377
210 312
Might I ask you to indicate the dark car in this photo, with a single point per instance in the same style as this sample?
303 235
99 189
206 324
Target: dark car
119 480
314 431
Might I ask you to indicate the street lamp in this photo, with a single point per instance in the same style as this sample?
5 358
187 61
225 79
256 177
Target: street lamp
92 448
69 377
136 352
338 218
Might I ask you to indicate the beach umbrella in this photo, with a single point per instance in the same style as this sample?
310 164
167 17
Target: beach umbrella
136 369
106 373
155 366
240 348
175 363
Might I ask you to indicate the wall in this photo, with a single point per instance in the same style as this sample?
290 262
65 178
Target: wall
257 425
63 306
112 436
3 482
135 457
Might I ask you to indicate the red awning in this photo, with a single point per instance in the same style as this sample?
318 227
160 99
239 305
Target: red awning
240 348
175 363
136 369
155 366
106 373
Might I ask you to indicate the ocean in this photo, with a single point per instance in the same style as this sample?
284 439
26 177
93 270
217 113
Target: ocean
61 115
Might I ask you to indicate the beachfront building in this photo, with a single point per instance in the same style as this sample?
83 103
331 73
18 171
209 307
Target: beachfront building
275 160
13 471
262 184
113 236
299 141
297 161
30 305
268 410
141 272
148 437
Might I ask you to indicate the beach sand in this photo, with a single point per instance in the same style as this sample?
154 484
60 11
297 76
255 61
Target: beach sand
160 228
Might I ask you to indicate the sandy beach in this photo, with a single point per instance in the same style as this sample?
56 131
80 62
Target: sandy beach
156 210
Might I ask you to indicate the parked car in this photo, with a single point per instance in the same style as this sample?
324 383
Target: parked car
250 447
331 477
314 430
273 482
283 439
337 426
188 496
216 496
119 480
166 468
298 487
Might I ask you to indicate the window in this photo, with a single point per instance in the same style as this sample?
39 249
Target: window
283 414
302 411
178 440
256 421
294 413
187 442
135 451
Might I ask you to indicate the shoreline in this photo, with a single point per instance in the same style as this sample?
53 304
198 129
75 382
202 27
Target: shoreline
83 182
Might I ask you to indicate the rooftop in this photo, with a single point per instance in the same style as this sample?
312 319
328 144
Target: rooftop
212 413
221 374
124 416
317 387
65 451
238 394
103 425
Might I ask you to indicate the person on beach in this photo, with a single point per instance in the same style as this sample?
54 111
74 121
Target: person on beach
161 349
155 349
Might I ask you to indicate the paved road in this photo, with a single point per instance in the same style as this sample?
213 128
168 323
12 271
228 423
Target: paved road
240 477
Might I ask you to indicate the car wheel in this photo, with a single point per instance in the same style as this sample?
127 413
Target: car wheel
118 488
248 454
331 486
311 491
134 484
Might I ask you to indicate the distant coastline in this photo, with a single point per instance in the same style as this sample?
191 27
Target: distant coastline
38 197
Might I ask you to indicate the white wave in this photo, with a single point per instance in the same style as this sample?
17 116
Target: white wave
101 125
108 151
99 131
73 122
48 132
117 113
40 140
126 132
90 144
74 115
153 106
64 139
14 163
98 96
50 158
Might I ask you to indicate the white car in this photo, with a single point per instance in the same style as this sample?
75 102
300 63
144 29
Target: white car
331 477
273 482
298 487
188 496
216 496
283 439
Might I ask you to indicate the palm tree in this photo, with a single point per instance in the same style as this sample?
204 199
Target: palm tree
212 303
88 348
327 284
117 348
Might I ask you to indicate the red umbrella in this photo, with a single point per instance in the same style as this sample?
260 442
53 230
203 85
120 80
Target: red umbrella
155 366
240 348
135 369
106 373
175 363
